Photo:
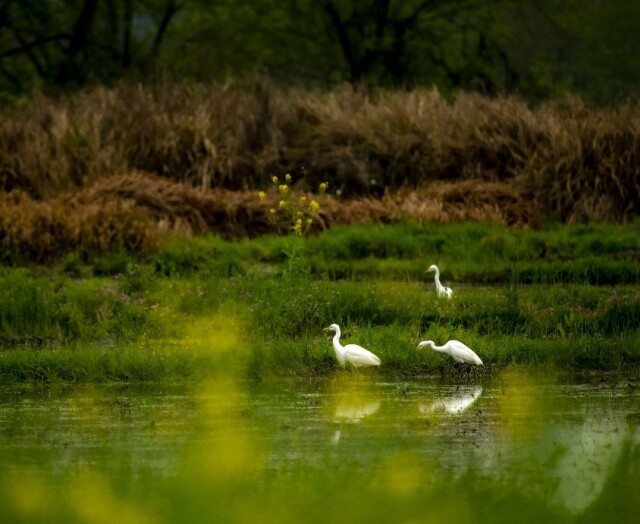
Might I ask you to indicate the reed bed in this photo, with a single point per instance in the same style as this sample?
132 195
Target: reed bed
572 162
134 210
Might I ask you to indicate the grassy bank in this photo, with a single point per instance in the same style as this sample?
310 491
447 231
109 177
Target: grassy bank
565 297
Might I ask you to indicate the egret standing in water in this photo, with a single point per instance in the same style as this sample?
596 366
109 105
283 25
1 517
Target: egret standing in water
460 352
356 355
443 291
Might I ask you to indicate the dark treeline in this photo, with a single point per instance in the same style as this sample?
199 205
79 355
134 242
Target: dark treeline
535 48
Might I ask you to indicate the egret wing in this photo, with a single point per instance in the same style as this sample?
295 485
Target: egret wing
463 353
359 356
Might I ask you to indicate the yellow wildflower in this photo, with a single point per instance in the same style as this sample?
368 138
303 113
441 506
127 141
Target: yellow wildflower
272 211
262 195
314 206
283 188
324 186
298 226
287 177
309 221
275 180
282 203
303 198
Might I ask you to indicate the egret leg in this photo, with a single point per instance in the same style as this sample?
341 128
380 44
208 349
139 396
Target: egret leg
459 369
355 369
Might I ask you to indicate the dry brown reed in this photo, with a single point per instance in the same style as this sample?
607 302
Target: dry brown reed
43 231
133 210
573 162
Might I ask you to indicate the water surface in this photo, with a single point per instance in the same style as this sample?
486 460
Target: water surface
346 448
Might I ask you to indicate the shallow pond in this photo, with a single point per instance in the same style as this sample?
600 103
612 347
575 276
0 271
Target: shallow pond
521 447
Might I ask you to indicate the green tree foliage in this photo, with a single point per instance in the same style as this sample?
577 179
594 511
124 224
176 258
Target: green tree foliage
70 42
536 48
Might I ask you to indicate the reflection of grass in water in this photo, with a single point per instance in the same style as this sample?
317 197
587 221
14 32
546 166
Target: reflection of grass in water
226 472
522 403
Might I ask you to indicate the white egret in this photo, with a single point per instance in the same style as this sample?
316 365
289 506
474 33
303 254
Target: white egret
356 355
457 350
443 291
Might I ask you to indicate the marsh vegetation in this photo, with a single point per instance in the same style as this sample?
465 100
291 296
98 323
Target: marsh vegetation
171 250
154 372
565 296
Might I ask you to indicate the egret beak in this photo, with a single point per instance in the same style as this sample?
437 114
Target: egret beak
326 330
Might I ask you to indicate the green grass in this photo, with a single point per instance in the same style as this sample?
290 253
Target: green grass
565 296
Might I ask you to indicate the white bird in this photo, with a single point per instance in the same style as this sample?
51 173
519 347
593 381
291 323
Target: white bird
443 291
457 350
356 355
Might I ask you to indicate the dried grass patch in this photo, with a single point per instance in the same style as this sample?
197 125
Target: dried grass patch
577 163
133 210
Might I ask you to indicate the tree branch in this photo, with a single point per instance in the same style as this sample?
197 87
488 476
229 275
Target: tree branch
82 27
343 38
127 22
24 46
173 7
27 49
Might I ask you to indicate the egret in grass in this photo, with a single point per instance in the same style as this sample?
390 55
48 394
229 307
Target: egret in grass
355 355
443 291
455 349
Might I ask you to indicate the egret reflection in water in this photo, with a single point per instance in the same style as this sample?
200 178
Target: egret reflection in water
463 398
354 410
350 401
353 406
